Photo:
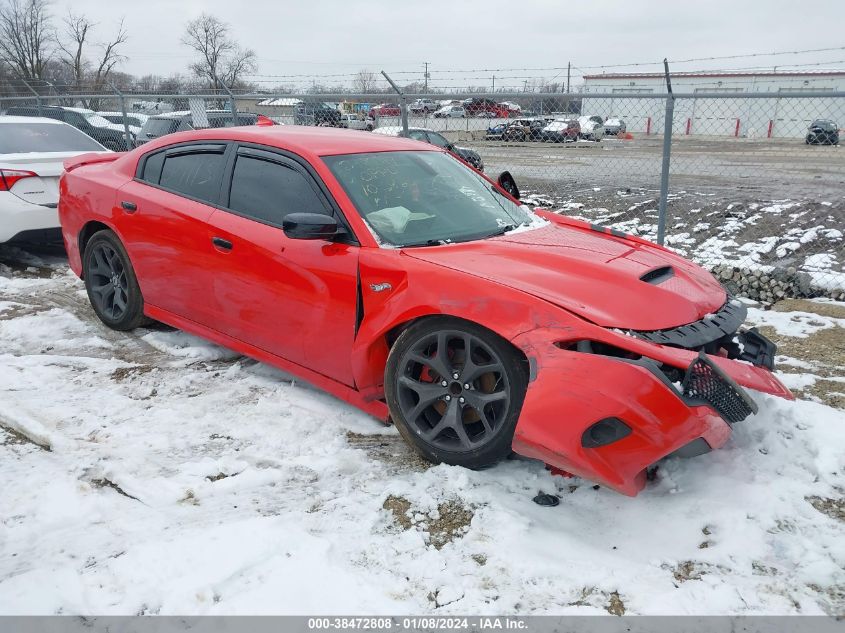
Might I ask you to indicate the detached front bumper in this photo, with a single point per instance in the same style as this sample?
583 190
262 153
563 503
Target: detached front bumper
609 418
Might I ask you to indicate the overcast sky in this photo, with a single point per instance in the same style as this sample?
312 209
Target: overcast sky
336 37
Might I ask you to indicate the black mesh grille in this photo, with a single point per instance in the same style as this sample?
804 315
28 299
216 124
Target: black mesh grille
707 383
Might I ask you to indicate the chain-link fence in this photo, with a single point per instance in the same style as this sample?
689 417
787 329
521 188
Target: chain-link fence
749 185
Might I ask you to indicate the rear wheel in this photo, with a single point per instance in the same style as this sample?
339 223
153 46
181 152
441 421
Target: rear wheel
455 391
111 283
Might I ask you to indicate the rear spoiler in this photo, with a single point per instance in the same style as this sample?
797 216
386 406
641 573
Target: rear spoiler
91 158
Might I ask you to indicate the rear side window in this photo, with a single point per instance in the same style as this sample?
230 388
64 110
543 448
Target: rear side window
267 191
25 138
152 168
195 174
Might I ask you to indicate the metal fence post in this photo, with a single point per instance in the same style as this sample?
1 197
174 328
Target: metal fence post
127 136
232 106
37 97
403 104
667 151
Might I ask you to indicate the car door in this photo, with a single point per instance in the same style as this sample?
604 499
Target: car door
296 299
164 214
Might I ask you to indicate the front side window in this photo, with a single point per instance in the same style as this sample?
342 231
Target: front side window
267 191
195 175
425 198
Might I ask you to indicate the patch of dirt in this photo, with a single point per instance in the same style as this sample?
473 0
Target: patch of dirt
481 559
122 373
21 310
451 520
615 606
218 477
399 507
825 349
833 599
834 508
389 449
103 482
831 310
10 437
688 570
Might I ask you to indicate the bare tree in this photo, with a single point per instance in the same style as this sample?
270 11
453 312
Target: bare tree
365 82
222 60
26 37
74 44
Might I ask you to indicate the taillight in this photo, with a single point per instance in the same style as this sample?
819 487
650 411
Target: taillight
8 177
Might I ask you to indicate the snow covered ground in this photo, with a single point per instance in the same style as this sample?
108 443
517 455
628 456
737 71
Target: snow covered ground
152 472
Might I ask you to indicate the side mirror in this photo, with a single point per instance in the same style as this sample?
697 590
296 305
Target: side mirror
507 183
309 226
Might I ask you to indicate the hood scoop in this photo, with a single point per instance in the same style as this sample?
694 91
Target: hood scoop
658 275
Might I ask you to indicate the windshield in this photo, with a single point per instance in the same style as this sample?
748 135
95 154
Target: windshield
25 138
424 198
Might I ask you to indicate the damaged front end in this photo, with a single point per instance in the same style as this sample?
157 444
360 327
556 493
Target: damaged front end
606 404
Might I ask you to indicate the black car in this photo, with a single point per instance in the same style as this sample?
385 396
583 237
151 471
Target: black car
316 113
108 134
170 122
822 132
430 136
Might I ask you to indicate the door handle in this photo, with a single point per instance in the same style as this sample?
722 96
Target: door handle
129 207
221 244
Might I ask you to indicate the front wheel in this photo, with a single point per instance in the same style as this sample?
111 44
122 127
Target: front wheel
111 283
455 391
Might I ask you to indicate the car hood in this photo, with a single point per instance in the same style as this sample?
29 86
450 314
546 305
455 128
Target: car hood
590 273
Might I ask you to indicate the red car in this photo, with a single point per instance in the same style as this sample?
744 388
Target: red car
385 109
388 273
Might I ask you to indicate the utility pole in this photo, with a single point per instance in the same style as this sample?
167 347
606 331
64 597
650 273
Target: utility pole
568 68
494 82
525 86
425 77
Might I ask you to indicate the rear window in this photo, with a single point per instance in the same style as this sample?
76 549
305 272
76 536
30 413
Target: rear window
25 138
154 128
196 175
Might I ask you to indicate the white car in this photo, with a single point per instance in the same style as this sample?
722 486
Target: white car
135 120
32 150
423 106
592 128
452 111
354 122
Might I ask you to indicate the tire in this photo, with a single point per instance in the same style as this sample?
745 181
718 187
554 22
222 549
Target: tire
111 283
471 427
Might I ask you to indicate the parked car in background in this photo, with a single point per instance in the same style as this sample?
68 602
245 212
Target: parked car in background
423 106
614 126
356 122
451 111
32 150
561 131
496 132
135 120
108 134
316 113
434 138
385 109
524 129
592 128
514 109
822 132
170 122
481 106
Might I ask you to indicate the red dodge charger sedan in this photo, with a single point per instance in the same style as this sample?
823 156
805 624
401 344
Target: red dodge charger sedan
395 277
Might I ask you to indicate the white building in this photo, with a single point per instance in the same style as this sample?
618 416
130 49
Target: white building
782 116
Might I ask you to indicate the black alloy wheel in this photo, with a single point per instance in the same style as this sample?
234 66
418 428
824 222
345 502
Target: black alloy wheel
455 390
111 283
